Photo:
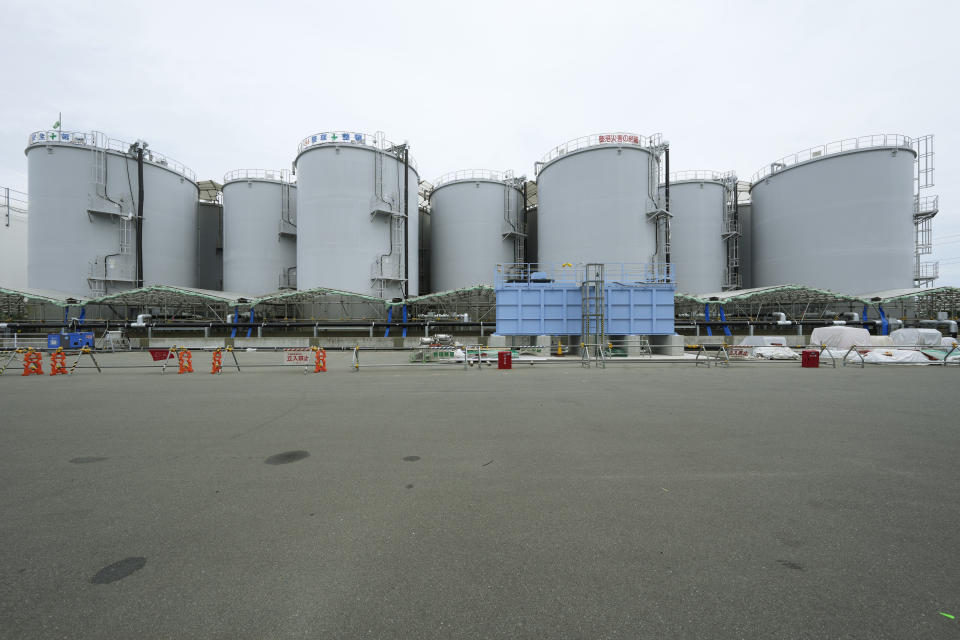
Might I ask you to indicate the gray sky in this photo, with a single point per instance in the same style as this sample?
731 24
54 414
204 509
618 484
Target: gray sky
731 85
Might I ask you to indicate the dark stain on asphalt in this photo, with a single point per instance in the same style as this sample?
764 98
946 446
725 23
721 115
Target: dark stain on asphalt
411 458
791 565
486 463
409 486
87 459
118 570
287 457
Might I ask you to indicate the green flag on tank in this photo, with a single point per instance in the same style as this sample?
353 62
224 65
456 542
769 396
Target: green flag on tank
56 125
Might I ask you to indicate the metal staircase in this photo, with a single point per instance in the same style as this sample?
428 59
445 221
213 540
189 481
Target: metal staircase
514 226
288 213
925 208
660 215
388 268
593 332
731 234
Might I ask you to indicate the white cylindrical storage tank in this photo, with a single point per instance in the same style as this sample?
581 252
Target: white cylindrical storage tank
836 217
476 222
259 231
594 194
698 254
354 202
82 236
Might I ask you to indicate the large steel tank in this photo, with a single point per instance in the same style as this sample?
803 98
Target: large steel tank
259 231
476 223
594 196
698 254
13 238
354 201
836 217
84 193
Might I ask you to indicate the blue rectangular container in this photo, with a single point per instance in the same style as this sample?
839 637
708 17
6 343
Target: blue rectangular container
553 308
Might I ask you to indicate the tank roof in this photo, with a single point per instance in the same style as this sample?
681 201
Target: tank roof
99 140
702 175
267 175
838 147
353 138
602 139
474 174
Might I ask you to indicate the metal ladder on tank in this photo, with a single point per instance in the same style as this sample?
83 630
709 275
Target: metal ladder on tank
731 235
593 332
925 208
288 222
513 228
388 267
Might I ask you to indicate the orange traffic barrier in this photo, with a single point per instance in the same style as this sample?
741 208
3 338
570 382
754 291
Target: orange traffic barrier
320 360
58 364
217 361
185 359
32 363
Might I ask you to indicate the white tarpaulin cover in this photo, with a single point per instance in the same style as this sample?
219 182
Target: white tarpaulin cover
840 337
948 342
916 337
896 356
775 353
881 341
763 341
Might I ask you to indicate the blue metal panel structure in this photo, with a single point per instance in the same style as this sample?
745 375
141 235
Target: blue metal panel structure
549 303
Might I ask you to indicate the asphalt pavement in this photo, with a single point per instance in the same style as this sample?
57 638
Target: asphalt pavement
548 501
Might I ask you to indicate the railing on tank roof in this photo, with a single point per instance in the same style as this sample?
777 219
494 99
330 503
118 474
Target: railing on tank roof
595 139
473 174
377 141
279 175
99 140
567 273
832 148
701 174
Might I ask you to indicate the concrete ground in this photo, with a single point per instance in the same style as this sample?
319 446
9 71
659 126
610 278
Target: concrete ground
640 501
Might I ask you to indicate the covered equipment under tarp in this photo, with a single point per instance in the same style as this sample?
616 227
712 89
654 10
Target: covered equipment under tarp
914 337
895 356
840 337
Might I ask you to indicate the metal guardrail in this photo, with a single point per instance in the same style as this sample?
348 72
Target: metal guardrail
595 139
878 140
278 175
702 174
926 204
473 174
567 273
926 271
376 141
99 140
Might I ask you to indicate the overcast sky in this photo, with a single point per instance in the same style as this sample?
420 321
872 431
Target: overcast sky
731 85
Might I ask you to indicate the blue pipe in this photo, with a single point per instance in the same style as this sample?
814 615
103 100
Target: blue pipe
706 317
236 313
404 319
863 318
386 334
884 323
250 329
723 316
